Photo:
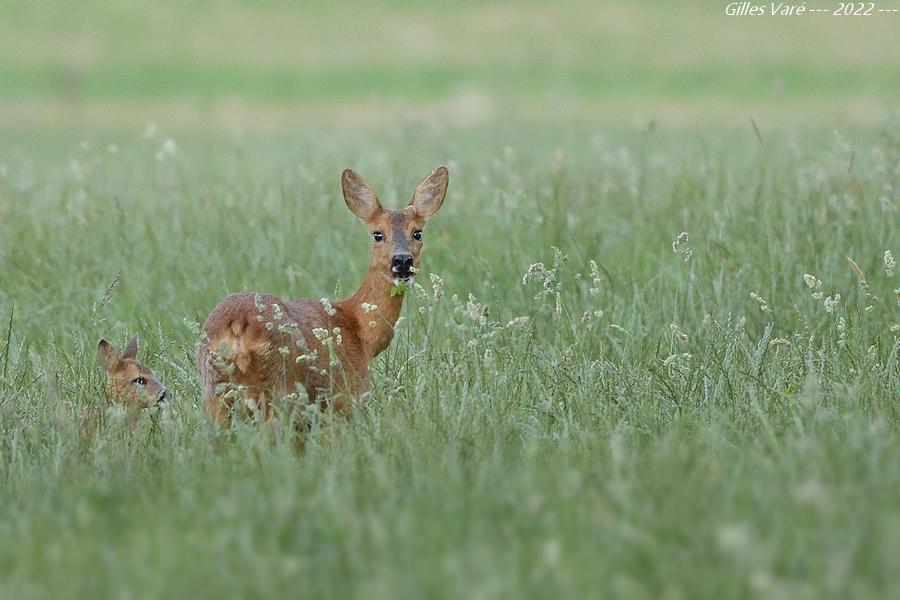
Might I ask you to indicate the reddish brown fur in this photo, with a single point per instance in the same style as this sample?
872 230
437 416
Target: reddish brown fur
253 343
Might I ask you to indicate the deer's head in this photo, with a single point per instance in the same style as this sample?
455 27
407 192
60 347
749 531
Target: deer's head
130 381
397 234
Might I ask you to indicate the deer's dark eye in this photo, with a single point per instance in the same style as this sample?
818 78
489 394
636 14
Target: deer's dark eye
378 236
417 234
139 381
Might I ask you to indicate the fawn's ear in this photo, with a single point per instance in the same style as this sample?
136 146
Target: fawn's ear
359 196
429 195
107 356
131 348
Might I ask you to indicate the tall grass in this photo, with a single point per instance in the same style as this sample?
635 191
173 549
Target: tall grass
580 402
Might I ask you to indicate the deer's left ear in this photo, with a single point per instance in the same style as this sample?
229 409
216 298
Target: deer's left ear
131 348
107 356
429 195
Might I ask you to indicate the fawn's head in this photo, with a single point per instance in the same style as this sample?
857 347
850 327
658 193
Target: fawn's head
129 380
397 234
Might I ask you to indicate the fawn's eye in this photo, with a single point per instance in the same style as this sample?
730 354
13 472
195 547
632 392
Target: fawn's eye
139 381
378 236
417 234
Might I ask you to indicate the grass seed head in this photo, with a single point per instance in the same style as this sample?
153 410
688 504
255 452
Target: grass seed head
763 305
680 246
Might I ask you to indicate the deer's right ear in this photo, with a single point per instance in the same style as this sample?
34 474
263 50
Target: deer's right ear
359 196
107 356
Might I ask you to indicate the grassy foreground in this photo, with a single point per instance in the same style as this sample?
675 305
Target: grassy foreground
642 427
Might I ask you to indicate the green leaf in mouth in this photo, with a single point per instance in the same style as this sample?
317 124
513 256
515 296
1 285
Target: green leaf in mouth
399 289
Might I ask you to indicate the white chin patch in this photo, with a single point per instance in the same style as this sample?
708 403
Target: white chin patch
407 280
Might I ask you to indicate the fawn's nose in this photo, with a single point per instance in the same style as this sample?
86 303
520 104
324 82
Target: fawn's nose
401 263
164 396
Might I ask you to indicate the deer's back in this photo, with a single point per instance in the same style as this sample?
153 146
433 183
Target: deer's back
261 342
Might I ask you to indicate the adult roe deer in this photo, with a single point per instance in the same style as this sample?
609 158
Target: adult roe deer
257 348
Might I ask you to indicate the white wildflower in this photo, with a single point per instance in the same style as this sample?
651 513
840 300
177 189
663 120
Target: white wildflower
326 304
680 246
437 285
890 265
534 271
763 305
475 311
321 333
538 271
832 302
814 284
372 324
308 357
895 328
369 308
678 333
595 279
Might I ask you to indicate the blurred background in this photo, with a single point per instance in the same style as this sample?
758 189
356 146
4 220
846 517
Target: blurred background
280 66
716 427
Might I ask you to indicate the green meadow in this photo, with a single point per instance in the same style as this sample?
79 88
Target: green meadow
653 352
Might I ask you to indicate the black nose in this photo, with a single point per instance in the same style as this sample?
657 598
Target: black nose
401 263
164 396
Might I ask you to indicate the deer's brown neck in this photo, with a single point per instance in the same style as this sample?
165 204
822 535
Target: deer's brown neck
375 289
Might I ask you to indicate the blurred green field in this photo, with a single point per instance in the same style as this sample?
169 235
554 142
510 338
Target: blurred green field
691 424
276 66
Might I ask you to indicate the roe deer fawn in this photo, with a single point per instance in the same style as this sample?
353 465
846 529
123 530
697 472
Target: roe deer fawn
257 348
128 380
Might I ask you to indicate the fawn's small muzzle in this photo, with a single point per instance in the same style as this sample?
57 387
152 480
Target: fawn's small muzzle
401 265
163 398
